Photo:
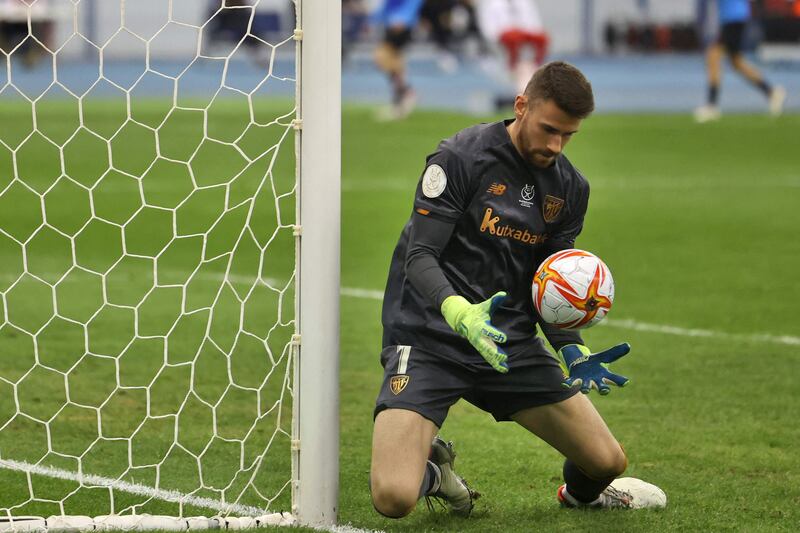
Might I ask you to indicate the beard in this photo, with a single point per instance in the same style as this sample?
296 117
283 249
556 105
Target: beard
537 157
542 158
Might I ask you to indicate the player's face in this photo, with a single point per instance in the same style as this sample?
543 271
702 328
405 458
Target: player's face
541 130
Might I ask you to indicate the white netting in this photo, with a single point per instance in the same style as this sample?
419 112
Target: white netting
147 202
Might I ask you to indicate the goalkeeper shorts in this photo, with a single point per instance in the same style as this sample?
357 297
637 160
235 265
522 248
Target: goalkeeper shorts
418 380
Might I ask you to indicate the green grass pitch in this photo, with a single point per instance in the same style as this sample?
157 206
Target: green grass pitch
697 223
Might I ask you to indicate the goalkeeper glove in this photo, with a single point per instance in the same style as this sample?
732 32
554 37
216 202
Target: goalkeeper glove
474 323
589 370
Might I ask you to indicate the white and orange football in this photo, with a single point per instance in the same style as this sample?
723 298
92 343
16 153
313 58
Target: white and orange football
573 289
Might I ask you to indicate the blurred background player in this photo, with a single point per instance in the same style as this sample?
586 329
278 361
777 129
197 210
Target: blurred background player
248 24
733 17
451 24
515 25
437 16
355 18
15 35
398 18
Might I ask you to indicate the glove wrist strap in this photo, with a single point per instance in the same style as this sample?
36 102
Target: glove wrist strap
574 354
452 309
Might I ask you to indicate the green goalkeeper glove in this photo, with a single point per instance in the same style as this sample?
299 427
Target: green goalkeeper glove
590 370
474 322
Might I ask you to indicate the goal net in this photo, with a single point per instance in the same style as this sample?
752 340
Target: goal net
169 174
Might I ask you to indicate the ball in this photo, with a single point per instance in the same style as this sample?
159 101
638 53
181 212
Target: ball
573 289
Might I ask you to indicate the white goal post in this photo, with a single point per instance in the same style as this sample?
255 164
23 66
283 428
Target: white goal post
165 363
319 213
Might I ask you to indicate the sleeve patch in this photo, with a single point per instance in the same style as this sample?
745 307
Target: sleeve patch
434 181
423 211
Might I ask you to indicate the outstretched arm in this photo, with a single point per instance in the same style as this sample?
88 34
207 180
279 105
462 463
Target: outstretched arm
428 238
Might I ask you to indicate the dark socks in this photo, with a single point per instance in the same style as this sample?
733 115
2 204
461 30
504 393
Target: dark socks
761 85
399 87
582 487
764 87
713 94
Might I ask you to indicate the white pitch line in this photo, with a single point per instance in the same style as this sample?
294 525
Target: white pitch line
347 528
132 488
634 325
629 324
367 294
707 333
159 494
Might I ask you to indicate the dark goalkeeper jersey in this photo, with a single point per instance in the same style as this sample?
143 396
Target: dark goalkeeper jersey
508 215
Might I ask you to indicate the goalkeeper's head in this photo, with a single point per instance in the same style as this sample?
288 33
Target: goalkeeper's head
565 85
557 98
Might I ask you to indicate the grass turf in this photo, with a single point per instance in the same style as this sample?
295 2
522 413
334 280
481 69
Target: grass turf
696 222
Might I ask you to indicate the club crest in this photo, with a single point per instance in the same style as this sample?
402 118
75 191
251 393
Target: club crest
398 383
551 208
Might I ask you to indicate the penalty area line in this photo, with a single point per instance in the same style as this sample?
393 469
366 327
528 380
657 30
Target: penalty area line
635 325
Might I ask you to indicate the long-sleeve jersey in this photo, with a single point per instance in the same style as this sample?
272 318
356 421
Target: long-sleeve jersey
500 216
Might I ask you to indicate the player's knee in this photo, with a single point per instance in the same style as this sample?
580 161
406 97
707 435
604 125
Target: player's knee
609 464
393 499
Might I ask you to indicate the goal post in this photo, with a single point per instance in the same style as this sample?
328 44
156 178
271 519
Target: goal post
318 286
170 177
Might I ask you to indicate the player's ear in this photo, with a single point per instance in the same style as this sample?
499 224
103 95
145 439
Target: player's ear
520 105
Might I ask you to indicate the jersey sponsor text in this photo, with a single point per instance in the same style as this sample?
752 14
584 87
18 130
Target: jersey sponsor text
493 225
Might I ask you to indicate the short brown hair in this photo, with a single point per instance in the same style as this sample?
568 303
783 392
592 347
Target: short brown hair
565 85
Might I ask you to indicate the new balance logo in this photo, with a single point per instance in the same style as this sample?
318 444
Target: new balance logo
498 189
492 225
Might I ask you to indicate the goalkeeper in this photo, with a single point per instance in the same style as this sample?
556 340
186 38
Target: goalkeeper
493 201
